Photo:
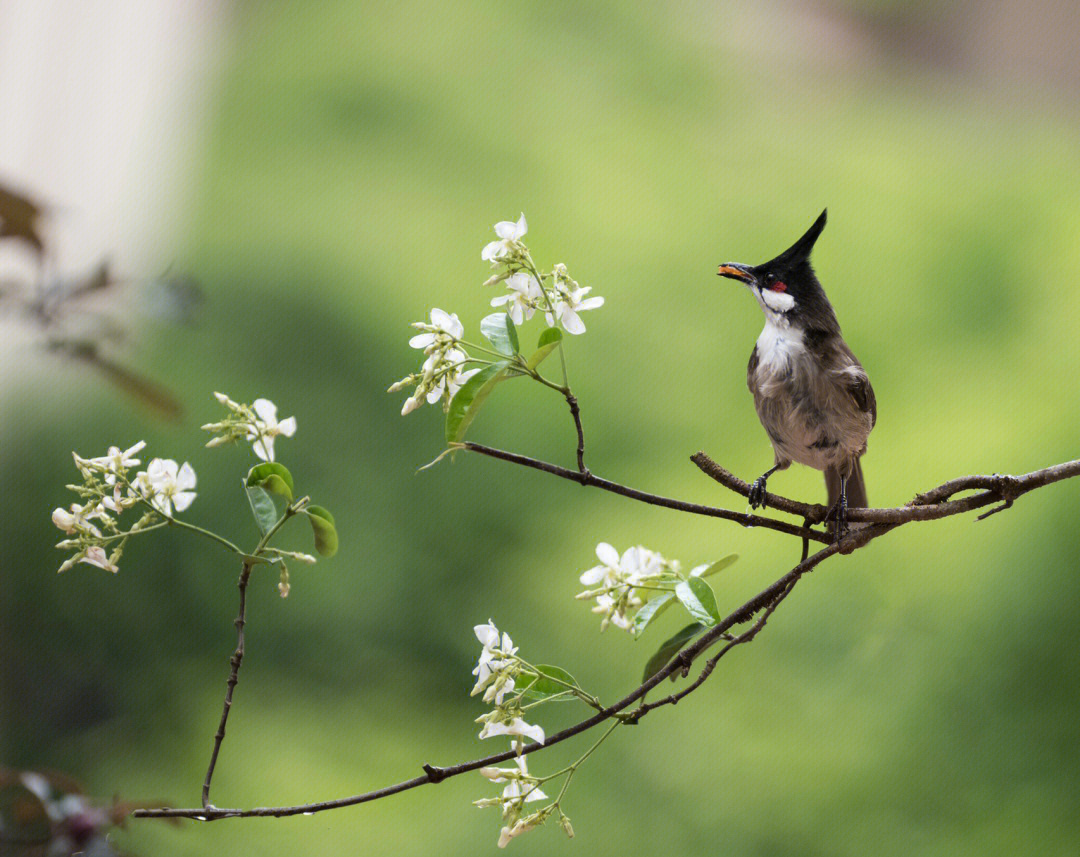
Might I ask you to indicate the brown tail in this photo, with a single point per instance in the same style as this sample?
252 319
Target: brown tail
856 487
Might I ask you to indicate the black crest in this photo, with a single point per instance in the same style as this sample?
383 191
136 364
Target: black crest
800 250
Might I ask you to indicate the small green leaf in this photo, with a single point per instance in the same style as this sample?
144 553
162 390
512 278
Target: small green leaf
653 608
719 565
698 599
262 507
272 476
499 329
669 649
470 398
543 686
549 341
322 525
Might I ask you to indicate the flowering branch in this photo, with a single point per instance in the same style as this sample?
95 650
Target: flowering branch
1003 489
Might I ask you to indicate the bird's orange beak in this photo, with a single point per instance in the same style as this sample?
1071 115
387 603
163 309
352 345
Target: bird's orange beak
735 272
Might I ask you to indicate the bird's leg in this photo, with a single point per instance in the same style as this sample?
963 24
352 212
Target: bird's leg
841 510
757 488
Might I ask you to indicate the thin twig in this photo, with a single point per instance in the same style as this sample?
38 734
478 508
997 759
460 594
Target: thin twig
234 677
575 412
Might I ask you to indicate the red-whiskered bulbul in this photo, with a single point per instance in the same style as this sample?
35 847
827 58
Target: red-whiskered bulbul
812 395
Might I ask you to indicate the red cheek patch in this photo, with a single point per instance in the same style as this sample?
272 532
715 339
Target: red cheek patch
778 287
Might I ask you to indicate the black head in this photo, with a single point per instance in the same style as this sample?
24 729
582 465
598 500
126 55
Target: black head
786 286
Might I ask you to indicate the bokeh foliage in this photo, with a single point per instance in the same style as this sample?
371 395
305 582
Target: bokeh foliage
919 697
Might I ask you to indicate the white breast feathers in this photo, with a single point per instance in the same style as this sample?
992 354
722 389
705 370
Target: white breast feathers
778 347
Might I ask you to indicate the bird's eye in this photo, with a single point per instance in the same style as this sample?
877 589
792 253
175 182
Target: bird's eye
777 286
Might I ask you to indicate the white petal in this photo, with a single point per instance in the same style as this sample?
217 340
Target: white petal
266 410
505 229
521 227
264 447
440 318
607 555
488 634
590 303
434 395
185 478
422 340
571 322
183 500
501 299
516 313
287 426
492 251
593 576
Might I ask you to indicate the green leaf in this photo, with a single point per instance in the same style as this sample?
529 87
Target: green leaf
669 649
653 608
272 476
262 507
499 329
543 686
322 525
719 565
470 398
549 341
698 599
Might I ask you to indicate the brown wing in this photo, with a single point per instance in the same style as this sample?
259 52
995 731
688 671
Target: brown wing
859 386
863 394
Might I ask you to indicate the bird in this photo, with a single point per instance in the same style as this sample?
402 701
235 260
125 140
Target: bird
811 393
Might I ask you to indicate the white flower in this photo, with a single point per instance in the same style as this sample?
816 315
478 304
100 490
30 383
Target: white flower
78 519
262 432
443 325
568 304
117 460
510 234
96 556
518 785
451 379
615 580
517 726
496 657
521 301
168 485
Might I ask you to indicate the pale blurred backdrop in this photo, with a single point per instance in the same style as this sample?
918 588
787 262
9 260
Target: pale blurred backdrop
328 173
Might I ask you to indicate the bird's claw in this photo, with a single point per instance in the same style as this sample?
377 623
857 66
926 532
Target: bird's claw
757 493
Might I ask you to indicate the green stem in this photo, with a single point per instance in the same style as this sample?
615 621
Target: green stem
571 688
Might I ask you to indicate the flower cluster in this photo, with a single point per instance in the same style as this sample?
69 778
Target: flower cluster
521 788
569 300
256 423
496 673
108 489
617 582
527 288
441 374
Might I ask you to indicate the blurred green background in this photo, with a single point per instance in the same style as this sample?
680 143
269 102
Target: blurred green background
921 696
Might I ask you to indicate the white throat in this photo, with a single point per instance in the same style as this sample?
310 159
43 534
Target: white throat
779 344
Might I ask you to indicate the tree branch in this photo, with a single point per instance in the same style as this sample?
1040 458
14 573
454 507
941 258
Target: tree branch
1004 489
588 478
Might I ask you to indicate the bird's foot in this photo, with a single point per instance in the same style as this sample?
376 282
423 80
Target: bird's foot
757 493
